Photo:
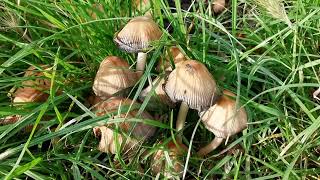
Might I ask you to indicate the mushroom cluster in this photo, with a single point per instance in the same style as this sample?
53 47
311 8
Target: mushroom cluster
181 80
126 125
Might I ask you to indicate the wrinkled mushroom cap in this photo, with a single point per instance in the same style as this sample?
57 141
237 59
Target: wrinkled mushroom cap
223 119
137 34
115 104
159 162
32 90
192 83
159 93
176 55
113 76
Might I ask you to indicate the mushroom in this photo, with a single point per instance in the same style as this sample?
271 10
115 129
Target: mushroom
96 7
219 5
113 76
136 37
224 120
173 169
159 94
32 90
114 104
192 84
10 119
109 139
141 5
173 53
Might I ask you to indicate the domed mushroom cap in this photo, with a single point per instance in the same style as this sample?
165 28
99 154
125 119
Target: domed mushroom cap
113 76
192 83
114 104
109 140
32 90
137 34
28 94
141 5
176 55
159 163
219 6
223 119
159 93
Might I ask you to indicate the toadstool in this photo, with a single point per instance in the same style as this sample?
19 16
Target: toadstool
32 90
176 55
192 84
113 76
159 161
112 106
109 140
219 6
224 120
137 36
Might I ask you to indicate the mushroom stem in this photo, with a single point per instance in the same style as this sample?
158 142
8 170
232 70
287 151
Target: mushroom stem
183 111
141 61
316 93
211 146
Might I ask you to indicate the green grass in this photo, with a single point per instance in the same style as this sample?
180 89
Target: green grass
270 59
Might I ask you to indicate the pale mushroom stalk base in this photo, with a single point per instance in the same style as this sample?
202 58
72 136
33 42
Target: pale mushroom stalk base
316 93
141 62
211 146
183 111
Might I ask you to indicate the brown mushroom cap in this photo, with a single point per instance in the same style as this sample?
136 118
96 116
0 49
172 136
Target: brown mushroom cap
32 90
174 53
191 83
114 104
158 91
137 34
109 140
222 118
113 76
141 5
219 5
159 163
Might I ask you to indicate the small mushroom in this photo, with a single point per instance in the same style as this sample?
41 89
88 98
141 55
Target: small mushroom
136 37
109 139
96 7
171 167
224 120
219 6
141 5
113 76
114 104
159 94
33 90
139 130
176 55
192 84
10 119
